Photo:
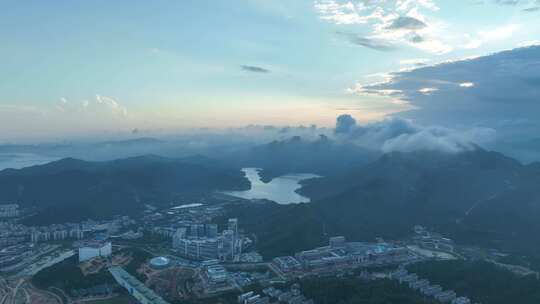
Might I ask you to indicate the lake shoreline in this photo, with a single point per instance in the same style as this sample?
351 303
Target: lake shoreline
282 190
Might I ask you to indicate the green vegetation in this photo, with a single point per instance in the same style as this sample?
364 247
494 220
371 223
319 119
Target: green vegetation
351 290
280 229
481 281
71 190
139 257
530 261
389 196
67 276
338 291
123 299
227 298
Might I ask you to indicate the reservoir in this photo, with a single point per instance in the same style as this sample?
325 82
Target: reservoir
281 190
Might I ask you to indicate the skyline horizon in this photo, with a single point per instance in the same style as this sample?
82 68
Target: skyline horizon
261 63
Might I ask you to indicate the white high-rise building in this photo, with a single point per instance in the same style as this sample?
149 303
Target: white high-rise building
233 225
94 250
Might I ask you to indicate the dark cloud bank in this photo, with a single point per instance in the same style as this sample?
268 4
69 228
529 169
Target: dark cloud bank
500 91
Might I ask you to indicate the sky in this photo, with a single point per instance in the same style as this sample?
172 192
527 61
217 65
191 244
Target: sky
79 68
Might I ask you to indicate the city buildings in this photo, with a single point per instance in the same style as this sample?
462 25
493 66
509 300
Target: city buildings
9 210
211 230
215 277
95 249
340 253
204 242
135 287
286 264
292 296
252 298
233 226
198 249
461 300
424 286
160 262
446 296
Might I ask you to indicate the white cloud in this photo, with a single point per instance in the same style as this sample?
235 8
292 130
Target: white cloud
466 84
397 134
402 22
497 91
529 43
482 37
101 106
440 139
63 118
414 62
427 91
111 105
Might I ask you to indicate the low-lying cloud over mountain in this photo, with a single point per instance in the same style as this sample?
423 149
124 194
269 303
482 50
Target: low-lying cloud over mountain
398 134
499 91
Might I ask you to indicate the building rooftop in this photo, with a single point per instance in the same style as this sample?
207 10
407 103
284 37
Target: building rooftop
150 295
160 261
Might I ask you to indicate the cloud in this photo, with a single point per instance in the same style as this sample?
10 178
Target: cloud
414 62
417 39
344 124
466 84
529 43
508 2
482 91
427 91
516 2
345 12
62 118
534 4
398 134
389 23
98 107
482 37
440 139
407 23
254 69
379 45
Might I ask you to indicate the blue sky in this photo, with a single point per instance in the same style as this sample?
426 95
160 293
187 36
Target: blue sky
81 67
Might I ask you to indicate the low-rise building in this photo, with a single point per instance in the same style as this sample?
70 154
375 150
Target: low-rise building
408 279
419 284
215 276
431 290
461 300
135 287
92 250
9 210
287 263
446 296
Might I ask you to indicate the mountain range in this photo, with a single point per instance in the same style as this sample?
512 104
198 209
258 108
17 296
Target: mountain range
72 189
476 197
322 156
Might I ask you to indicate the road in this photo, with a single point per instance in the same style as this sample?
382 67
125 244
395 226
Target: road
23 286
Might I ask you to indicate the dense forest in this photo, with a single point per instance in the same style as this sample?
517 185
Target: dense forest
352 290
482 282
67 275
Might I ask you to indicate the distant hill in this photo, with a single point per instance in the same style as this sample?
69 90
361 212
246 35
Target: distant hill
323 156
477 197
72 189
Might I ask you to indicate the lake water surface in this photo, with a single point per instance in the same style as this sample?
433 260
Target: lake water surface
281 190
